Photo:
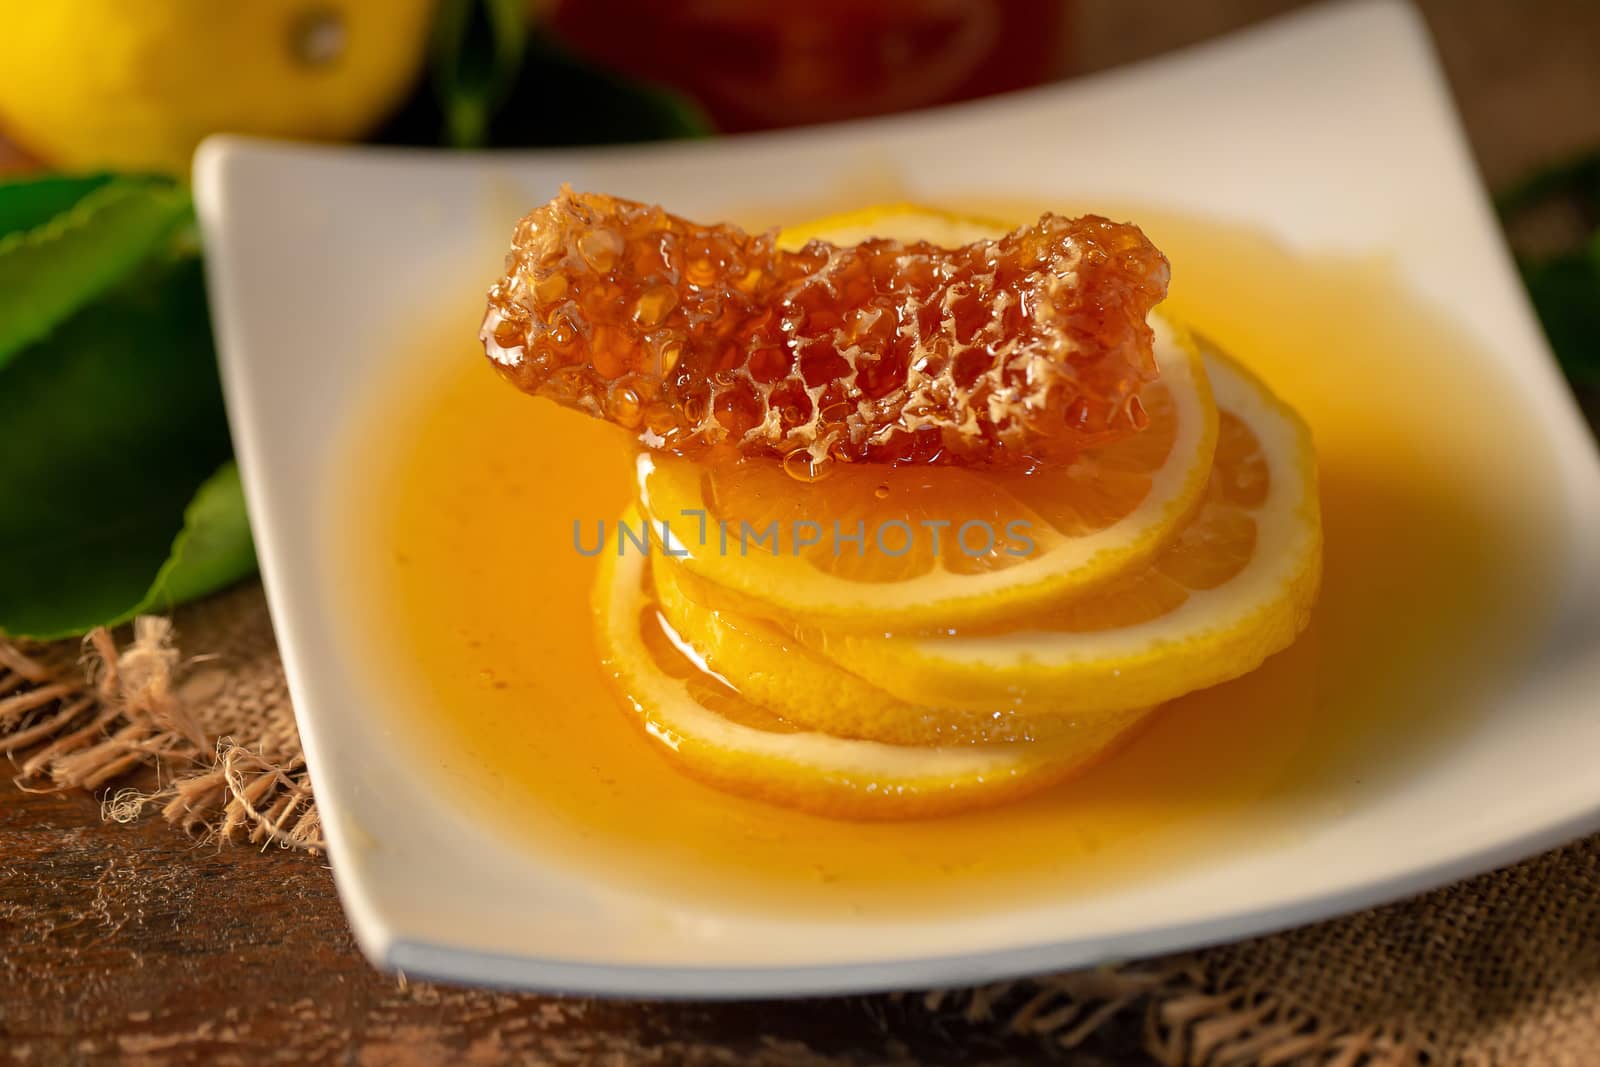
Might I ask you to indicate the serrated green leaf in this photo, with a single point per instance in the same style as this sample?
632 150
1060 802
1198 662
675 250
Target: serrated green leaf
49 271
36 199
107 430
212 551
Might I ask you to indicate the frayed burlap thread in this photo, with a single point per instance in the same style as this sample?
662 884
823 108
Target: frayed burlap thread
217 729
1503 969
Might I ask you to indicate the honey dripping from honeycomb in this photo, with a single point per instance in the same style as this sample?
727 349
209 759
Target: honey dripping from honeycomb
705 339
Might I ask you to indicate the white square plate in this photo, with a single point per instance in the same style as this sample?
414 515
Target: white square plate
1330 130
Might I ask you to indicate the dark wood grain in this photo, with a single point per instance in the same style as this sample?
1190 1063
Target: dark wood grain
135 945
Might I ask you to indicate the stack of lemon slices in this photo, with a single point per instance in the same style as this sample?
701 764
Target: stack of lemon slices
908 642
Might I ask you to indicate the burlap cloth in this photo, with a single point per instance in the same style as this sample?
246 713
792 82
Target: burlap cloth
1502 969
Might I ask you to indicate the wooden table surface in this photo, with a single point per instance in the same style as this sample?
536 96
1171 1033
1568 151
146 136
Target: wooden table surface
136 945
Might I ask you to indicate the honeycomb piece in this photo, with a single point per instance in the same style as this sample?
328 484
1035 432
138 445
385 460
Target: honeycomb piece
706 339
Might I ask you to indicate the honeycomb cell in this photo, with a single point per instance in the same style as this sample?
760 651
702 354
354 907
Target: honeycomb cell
1001 352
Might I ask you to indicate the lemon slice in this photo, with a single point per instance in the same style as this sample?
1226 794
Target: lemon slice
1234 587
774 669
895 222
710 732
930 547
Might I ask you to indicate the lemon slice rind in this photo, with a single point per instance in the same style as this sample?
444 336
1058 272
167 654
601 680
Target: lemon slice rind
671 492
838 777
777 671
1215 635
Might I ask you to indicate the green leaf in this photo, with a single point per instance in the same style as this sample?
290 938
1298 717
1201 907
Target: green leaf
1565 286
561 99
51 270
497 86
1575 179
107 429
477 50
1566 293
212 551
35 200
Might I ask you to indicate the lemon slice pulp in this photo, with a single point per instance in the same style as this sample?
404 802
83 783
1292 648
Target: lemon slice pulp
1234 587
711 733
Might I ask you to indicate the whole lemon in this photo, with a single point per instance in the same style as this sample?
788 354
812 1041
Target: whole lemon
135 84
